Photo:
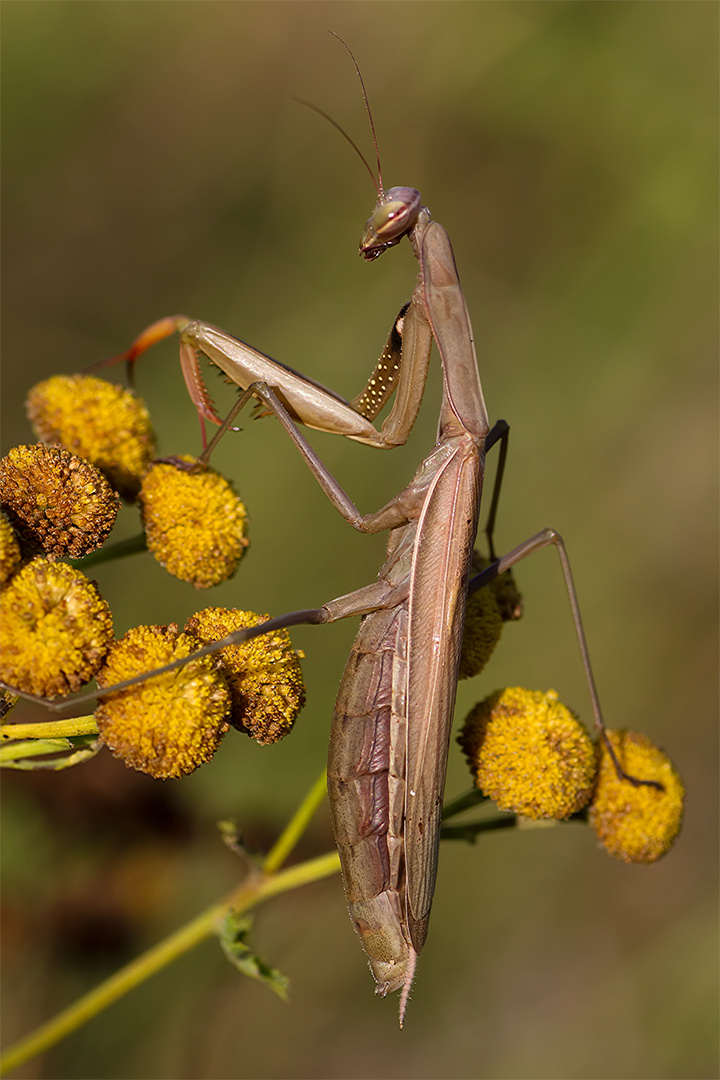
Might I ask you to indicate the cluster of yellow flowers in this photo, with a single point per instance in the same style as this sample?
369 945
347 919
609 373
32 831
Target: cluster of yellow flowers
533 757
526 751
60 499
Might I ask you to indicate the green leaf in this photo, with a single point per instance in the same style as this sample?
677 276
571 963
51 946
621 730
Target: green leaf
233 938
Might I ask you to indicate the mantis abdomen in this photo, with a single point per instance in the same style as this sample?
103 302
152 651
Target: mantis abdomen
366 785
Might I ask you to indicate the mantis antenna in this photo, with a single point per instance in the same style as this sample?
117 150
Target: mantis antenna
377 182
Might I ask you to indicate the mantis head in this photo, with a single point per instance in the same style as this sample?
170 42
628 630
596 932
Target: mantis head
397 210
395 214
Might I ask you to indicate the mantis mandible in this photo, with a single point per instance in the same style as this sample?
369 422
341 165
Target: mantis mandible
393 715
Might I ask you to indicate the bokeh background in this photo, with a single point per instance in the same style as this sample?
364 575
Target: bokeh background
154 162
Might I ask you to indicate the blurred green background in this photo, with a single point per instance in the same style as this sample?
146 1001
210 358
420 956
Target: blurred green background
154 162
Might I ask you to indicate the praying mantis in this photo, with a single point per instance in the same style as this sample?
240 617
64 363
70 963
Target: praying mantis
393 715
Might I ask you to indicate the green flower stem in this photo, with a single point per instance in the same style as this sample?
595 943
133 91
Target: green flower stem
35 754
296 826
118 550
471 832
51 729
34 748
471 798
252 892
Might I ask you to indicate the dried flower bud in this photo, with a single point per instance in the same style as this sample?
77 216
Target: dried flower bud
10 554
264 674
483 626
529 754
8 702
170 724
100 421
487 610
55 629
636 824
508 596
194 522
56 500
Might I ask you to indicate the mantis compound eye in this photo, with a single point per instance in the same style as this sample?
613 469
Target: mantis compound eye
394 215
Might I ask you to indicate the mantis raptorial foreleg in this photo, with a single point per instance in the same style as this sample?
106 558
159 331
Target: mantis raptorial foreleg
401 370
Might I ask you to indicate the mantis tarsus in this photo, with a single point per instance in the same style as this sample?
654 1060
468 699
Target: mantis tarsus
392 720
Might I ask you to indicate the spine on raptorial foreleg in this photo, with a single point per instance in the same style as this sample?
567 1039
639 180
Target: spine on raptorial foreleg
366 784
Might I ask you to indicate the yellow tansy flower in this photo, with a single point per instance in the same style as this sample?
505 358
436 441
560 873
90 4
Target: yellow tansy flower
10 554
529 753
194 522
483 626
264 674
487 610
55 629
636 823
169 724
56 500
100 421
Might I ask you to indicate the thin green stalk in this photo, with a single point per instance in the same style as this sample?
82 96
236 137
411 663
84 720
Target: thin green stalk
257 888
296 826
133 545
466 801
471 832
51 729
32 748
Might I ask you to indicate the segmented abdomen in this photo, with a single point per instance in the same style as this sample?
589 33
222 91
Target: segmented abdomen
366 785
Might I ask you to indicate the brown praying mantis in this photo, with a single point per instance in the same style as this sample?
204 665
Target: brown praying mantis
392 720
